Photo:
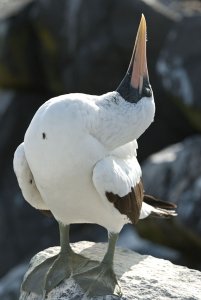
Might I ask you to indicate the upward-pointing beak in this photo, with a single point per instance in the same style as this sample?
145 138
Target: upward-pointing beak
138 62
135 84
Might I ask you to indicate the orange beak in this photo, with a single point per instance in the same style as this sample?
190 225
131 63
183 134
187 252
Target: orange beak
135 84
139 58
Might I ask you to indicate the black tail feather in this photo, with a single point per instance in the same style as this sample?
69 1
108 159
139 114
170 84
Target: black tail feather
161 209
159 203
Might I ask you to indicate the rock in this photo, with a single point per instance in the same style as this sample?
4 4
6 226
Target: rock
53 45
9 8
10 283
179 66
174 174
130 239
141 276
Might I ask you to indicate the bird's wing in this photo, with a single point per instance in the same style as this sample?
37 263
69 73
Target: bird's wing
26 180
119 182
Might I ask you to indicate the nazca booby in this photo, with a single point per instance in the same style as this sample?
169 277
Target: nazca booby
79 161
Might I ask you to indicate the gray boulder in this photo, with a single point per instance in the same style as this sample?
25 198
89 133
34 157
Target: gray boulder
179 66
10 283
9 8
174 174
140 276
63 46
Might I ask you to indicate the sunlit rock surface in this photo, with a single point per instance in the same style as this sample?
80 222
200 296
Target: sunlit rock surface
141 276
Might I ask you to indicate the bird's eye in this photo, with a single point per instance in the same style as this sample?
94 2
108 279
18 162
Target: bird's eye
147 92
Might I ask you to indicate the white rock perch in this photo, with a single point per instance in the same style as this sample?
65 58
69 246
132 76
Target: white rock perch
141 276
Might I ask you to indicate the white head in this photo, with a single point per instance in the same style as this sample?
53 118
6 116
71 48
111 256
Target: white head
126 113
135 90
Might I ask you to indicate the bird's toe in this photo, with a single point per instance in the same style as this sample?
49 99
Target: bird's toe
80 263
34 282
59 270
99 281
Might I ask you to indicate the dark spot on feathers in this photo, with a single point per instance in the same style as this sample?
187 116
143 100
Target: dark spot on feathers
30 181
44 135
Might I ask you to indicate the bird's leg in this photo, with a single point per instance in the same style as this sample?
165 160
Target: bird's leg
101 280
68 262
41 277
55 269
60 269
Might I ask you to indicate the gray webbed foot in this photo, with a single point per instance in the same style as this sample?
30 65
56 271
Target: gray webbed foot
81 264
58 271
99 281
35 279
51 272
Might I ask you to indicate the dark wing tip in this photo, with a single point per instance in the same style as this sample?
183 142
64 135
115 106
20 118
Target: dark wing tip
130 204
155 202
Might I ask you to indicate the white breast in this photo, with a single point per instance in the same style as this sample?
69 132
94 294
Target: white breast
62 149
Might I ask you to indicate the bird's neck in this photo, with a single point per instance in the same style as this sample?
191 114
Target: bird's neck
119 122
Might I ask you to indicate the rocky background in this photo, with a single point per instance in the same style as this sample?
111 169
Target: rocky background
52 47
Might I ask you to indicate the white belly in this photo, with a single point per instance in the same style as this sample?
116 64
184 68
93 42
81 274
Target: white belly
62 159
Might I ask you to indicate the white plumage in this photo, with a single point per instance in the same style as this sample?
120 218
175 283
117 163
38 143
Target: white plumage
76 148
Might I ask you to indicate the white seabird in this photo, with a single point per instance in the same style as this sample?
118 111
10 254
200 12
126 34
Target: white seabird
78 160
